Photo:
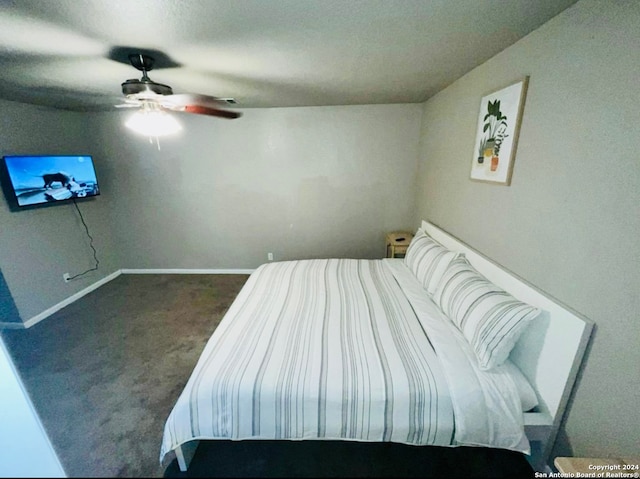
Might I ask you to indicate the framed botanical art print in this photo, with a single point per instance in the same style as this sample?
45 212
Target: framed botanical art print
497 133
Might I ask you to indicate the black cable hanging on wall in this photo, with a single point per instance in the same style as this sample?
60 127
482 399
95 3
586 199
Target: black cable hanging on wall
95 253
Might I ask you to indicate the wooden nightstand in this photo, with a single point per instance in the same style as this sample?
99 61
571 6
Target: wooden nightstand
591 465
397 244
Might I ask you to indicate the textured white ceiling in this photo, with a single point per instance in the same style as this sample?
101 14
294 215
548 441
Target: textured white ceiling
263 53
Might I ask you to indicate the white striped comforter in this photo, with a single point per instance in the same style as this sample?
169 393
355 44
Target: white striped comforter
334 349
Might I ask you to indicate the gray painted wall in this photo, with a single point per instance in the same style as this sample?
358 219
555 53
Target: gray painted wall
297 182
569 223
38 245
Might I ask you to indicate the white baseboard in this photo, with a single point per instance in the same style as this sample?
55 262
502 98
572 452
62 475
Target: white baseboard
12 325
187 271
53 309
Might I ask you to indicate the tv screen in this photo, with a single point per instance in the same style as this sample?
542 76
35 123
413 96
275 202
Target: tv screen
48 179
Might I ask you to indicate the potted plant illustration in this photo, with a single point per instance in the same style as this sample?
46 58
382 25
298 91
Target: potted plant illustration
500 137
481 148
495 126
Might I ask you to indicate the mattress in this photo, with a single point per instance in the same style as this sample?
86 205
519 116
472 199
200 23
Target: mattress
342 349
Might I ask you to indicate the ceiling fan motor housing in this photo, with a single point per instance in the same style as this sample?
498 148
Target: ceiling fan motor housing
144 63
134 87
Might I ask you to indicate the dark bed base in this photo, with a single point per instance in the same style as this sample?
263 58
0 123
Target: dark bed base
348 459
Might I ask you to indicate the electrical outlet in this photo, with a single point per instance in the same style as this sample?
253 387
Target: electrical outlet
66 277
270 256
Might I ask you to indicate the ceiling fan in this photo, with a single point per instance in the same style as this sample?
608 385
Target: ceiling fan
153 98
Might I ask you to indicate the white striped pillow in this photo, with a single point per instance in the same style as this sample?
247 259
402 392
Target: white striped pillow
490 319
428 260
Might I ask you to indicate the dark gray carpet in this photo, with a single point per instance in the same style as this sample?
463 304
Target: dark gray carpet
105 371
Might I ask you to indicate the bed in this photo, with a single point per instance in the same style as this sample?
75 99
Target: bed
362 350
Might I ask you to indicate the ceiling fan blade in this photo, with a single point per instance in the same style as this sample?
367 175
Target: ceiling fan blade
184 99
127 105
203 110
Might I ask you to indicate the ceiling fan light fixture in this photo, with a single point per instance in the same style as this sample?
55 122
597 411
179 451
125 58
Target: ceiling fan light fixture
153 121
156 99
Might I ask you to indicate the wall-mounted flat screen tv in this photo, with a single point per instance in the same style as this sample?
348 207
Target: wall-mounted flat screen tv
50 178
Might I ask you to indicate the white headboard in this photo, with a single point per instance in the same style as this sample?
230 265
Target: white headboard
549 353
